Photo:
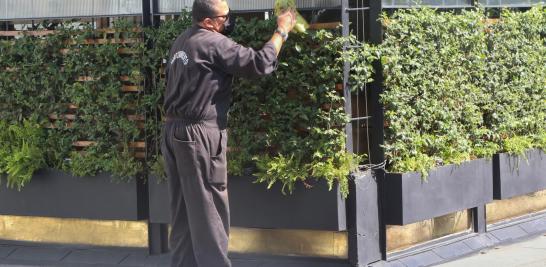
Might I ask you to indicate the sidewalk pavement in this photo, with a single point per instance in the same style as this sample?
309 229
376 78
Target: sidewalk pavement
19 254
528 253
524 253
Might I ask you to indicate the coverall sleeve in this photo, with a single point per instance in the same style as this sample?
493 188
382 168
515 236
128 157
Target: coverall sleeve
241 61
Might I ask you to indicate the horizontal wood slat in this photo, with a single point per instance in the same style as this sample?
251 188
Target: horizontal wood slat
73 117
324 26
29 33
48 32
124 78
138 144
105 41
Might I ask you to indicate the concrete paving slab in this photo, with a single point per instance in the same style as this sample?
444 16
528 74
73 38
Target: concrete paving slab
38 253
395 263
509 233
505 256
453 250
6 250
535 226
479 242
95 256
422 259
299 264
143 260
537 243
246 263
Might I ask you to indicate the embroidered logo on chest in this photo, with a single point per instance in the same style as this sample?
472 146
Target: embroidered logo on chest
180 55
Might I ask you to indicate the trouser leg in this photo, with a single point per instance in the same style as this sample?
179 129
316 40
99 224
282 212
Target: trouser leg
180 238
199 158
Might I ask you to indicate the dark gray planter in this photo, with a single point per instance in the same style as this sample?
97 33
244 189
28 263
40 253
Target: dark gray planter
518 175
408 198
254 206
52 193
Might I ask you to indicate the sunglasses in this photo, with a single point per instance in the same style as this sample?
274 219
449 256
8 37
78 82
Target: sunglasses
222 16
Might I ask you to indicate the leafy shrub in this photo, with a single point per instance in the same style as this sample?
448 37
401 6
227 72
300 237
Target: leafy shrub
516 80
434 65
21 151
458 88
290 125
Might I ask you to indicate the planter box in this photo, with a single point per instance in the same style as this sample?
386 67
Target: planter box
407 198
253 206
517 175
52 193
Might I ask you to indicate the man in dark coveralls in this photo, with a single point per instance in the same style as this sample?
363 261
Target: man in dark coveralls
200 68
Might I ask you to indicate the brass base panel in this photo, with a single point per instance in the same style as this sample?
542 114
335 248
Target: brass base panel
401 237
514 207
135 234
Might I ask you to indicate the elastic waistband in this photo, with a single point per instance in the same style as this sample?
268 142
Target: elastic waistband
207 123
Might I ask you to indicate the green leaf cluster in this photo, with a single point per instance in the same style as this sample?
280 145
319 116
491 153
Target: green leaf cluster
458 88
21 151
289 126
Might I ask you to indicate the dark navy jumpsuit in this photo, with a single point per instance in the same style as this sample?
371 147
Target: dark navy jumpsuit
200 69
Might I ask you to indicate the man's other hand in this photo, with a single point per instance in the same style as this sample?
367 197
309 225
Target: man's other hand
287 20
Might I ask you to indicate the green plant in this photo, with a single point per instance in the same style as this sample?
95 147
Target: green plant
516 80
458 89
290 125
433 64
21 151
72 85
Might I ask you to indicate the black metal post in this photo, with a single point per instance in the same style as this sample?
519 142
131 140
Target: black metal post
479 223
158 235
363 210
346 72
158 241
155 13
146 13
363 221
377 154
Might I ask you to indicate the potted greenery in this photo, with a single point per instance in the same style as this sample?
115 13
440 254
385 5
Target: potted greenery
517 117
438 162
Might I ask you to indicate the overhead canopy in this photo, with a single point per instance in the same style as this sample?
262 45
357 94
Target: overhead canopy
39 9
460 3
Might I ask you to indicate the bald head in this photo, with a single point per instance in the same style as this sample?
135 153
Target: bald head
206 8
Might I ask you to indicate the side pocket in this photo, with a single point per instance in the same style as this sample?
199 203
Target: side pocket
218 163
186 158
